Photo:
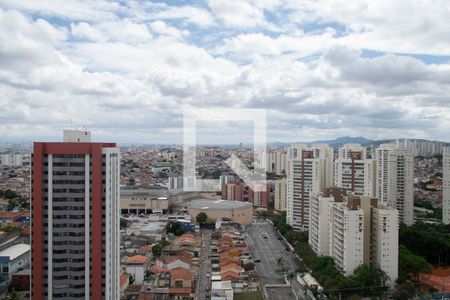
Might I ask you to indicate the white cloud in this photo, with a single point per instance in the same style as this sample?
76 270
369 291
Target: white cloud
188 14
126 70
390 26
85 30
162 28
238 13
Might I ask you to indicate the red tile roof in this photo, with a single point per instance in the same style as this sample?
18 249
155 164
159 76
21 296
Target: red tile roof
179 291
123 279
181 274
229 275
137 259
231 267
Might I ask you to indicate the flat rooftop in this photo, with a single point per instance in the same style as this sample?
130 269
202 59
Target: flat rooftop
15 251
218 204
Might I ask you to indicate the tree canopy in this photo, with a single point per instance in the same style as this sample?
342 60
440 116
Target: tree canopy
431 241
176 229
201 218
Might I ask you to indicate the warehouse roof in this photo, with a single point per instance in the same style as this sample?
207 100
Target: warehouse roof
15 251
218 204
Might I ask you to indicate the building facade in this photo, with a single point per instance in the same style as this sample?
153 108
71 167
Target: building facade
233 191
395 180
309 171
280 194
353 171
75 219
259 194
354 230
346 235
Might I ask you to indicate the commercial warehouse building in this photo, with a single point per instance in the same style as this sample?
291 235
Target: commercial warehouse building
237 212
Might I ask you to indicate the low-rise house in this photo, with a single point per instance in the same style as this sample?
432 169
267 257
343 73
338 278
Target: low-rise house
226 260
124 282
181 283
21 280
230 275
180 277
224 242
223 289
173 262
136 266
187 241
231 267
13 259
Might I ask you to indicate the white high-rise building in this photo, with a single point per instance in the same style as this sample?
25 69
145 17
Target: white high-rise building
11 159
395 180
354 230
384 240
319 216
309 171
353 171
446 186
280 194
420 147
346 236
275 161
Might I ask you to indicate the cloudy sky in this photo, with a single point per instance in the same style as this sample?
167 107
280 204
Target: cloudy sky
321 68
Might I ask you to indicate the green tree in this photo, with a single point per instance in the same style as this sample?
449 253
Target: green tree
210 221
249 266
176 229
201 218
411 264
9 194
405 290
290 276
123 223
156 250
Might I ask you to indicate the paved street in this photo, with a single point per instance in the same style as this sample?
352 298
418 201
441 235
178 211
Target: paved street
280 293
205 266
269 250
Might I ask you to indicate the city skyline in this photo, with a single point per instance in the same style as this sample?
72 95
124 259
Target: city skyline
125 70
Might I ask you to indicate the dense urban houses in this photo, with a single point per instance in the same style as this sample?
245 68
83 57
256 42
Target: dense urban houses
75 219
446 186
354 230
309 171
395 180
